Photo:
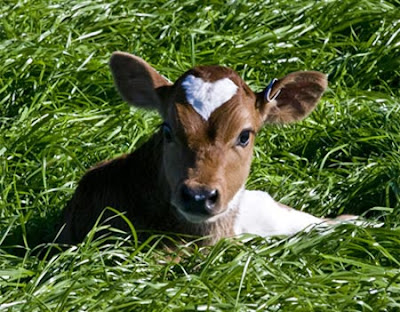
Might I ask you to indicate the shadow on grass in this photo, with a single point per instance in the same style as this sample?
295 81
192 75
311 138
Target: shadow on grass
33 235
38 236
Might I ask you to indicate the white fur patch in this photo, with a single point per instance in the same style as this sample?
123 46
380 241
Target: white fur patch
261 215
205 97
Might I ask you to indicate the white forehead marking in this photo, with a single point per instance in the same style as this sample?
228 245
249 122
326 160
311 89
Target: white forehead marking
205 97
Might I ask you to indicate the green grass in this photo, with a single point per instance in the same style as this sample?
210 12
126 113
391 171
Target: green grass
60 114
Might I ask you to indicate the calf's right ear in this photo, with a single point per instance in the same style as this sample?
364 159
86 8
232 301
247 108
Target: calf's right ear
137 82
291 98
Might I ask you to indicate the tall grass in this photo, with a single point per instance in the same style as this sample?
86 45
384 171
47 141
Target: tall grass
60 114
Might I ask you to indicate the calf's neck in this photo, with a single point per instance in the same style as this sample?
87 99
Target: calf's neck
189 176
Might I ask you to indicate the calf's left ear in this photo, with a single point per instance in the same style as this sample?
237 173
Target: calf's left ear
137 82
291 98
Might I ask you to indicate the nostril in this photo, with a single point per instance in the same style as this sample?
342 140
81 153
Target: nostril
211 200
212 196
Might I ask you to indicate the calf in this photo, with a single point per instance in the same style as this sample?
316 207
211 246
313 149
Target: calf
189 177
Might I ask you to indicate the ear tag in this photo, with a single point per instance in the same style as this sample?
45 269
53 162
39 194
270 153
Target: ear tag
267 91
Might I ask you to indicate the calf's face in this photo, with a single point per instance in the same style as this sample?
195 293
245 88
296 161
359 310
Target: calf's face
209 126
210 120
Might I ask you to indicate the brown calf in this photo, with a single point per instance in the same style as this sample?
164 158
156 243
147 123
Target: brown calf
189 177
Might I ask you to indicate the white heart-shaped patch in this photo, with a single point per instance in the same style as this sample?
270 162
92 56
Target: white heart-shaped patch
206 97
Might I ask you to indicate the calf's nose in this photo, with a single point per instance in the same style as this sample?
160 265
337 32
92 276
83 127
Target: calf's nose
199 200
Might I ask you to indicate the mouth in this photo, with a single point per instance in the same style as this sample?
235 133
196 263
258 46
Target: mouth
196 218
201 218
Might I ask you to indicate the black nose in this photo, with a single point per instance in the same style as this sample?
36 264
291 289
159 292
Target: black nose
199 200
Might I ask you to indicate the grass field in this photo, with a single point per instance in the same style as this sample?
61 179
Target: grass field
60 114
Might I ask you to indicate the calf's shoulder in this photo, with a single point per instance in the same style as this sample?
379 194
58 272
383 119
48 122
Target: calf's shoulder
129 183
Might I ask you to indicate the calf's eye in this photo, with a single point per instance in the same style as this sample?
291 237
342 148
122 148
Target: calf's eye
167 132
243 138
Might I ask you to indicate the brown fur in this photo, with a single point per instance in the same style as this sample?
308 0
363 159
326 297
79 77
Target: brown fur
147 183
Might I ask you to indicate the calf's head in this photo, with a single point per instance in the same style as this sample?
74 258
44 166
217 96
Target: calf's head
210 120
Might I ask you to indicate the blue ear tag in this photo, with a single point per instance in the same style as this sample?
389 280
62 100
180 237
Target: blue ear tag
267 91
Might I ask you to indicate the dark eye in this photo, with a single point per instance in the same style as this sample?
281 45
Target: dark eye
167 132
243 138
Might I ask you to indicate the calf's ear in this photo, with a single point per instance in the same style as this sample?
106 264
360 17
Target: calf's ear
291 98
137 82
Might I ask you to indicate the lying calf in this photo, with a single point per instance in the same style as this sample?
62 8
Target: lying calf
189 177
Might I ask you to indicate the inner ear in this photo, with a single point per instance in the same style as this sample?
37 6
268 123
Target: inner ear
137 81
291 98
